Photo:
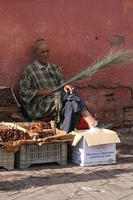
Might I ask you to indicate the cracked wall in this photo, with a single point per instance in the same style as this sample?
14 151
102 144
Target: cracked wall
110 105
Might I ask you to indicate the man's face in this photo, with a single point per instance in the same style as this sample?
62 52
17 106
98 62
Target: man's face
42 54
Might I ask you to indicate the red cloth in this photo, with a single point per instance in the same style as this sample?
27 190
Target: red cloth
46 119
82 124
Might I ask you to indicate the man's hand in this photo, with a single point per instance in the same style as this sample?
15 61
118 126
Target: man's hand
68 88
46 92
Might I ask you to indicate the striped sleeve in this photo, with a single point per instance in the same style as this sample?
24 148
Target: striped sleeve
26 91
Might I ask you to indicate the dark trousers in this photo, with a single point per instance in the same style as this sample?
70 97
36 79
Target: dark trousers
72 107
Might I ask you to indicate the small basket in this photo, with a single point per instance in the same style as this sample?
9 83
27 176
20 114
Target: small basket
9 106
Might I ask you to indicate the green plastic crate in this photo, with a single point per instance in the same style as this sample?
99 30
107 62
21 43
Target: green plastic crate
6 159
46 153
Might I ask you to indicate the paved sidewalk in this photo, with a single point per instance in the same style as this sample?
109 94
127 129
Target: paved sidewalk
48 182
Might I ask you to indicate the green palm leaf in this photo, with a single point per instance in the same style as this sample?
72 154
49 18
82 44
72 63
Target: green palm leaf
119 57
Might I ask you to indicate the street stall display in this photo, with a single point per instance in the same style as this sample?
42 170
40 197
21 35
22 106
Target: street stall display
32 143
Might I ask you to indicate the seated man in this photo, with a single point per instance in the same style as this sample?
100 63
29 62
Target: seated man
37 96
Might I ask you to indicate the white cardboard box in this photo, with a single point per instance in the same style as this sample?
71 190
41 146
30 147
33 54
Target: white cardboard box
94 148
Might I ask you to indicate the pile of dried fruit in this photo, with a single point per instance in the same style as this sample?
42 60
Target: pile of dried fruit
38 127
42 130
13 135
38 130
45 134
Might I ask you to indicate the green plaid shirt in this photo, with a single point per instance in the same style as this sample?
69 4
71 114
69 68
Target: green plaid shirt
37 77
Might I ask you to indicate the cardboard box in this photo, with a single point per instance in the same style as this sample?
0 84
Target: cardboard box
94 148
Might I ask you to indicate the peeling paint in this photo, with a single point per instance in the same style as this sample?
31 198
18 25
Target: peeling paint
128 4
120 40
114 104
109 23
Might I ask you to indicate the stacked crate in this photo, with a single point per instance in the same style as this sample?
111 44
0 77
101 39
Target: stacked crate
6 159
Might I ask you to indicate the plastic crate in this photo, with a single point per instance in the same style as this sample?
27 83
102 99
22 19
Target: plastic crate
6 159
46 153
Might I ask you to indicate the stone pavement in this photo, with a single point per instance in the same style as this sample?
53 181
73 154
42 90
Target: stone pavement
48 182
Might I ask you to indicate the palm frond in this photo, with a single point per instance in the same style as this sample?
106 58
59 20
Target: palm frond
119 57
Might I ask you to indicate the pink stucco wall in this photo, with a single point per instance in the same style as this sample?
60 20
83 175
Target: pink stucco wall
78 32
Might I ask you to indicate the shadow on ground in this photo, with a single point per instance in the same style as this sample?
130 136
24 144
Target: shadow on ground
23 181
